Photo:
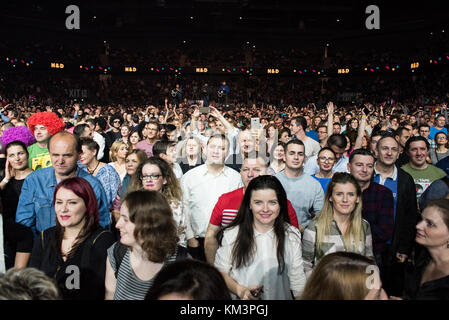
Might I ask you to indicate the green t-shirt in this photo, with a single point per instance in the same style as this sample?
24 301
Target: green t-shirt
39 157
423 178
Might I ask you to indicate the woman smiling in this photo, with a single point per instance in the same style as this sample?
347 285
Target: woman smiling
340 226
77 245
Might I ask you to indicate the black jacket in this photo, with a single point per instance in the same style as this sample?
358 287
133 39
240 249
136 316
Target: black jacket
406 214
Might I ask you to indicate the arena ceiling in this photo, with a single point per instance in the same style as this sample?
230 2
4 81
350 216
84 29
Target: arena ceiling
310 23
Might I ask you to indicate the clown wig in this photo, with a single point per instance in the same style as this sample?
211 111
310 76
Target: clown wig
50 120
21 133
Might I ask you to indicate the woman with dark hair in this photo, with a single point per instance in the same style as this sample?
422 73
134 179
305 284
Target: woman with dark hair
259 252
18 239
272 138
106 174
148 242
326 160
189 280
134 137
155 174
428 277
74 251
442 148
277 163
284 135
125 131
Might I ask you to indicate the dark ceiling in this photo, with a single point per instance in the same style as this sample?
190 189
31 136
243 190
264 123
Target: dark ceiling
227 23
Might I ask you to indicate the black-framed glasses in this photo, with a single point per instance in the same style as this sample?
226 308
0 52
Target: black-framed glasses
153 177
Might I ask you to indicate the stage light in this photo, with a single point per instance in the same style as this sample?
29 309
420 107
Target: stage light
305 70
223 70
439 58
294 70
171 69
81 67
179 69
313 70
31 62
366 69
15 60
91 67
233 69
300 72
27 64
251 69
387 67
377 68
109 68
397 67
393 69
24 61
430 61
7 59
100 68
371 70
322 70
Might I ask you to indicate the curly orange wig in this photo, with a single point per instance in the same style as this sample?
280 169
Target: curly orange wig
50 120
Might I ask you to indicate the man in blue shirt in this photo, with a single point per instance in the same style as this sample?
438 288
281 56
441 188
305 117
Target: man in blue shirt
440 126
35 208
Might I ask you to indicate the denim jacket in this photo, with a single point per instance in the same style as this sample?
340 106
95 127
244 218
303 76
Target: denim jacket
35 208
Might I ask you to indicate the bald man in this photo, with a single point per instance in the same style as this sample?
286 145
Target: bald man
35 209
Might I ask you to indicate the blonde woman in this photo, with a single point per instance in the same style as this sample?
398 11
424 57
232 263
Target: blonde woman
340 226
117 154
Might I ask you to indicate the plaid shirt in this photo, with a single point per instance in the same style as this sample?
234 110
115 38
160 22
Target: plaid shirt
334 242
378 210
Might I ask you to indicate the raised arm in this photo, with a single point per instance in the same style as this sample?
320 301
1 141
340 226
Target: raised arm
216 114
361 132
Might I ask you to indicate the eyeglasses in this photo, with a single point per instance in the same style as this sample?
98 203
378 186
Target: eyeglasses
116 121
442 138
153 177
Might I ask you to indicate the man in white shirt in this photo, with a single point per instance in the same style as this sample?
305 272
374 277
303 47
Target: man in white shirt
203 185
298 126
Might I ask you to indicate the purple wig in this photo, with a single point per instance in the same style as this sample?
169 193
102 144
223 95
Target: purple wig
21 133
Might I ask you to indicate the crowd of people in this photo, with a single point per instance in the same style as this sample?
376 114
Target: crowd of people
262 201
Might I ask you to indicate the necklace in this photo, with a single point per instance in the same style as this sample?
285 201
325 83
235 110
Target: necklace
92 172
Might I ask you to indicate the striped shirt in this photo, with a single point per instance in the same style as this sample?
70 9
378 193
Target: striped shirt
128 286
331 243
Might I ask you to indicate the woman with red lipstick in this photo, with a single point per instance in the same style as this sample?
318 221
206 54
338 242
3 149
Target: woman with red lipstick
74 251
326 160
157 175
339 226
428 277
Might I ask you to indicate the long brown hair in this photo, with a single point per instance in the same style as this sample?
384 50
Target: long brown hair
155 230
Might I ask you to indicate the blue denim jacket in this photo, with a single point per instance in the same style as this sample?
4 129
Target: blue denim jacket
35 208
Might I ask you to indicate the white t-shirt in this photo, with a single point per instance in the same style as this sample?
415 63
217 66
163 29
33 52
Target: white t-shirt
263 269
